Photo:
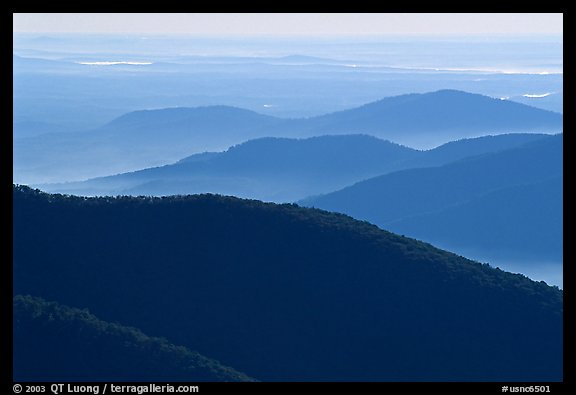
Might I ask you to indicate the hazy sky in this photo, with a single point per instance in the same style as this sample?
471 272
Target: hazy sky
290 24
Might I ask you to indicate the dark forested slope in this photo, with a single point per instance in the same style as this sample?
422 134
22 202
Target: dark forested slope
53 342
286 293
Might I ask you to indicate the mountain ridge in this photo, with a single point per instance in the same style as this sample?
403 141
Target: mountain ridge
421 121
266 168
309 295
399 195
540 202
54 342
184 114
283 170
443 111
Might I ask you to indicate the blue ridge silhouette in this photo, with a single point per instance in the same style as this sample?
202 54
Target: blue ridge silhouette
285 170
155 137
470 188
285 293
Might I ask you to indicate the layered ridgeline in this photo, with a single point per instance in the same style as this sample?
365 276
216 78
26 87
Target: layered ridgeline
506 204
276 169
53 342
284 170
150 138
135 140
431 118
286 293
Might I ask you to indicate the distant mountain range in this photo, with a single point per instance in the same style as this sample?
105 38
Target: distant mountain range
156 137
425 119
507 203
523 222
135 140
280 292
285 170
29 129
552 101
277 169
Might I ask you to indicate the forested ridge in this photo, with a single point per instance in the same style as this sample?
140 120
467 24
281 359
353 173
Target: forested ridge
285 293
56 342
